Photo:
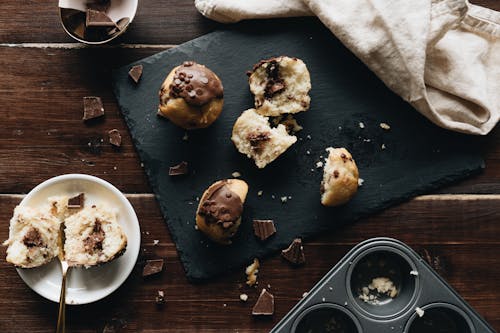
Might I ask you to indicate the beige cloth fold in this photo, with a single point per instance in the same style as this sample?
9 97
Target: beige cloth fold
442 56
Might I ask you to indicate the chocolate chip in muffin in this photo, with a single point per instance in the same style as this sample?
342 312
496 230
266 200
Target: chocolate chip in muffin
33 238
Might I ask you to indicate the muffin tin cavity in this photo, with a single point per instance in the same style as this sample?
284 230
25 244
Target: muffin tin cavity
382 286
380 282
440 318
326 318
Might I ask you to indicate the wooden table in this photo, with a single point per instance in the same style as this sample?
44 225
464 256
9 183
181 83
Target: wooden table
43 79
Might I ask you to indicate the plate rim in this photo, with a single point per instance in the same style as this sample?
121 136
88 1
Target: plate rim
131 212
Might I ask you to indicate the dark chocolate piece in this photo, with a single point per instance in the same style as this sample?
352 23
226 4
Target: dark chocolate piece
263 229
221 206
93 243
32 238
160 297
135 73
257 140
295 252
99 5
152 267
76 202
264 305
120 26
196 84
97 18
115 137
179 169
92 107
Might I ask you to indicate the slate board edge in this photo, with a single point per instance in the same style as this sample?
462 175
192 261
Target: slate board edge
194 277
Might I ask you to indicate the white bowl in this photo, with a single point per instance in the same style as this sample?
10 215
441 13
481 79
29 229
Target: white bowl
92 284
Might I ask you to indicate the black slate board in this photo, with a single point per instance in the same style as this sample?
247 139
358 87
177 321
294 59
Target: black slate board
418 157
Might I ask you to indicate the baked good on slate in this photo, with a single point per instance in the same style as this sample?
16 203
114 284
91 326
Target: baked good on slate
280 85
33 237
191 96
340 177
254 137
93 236
220 208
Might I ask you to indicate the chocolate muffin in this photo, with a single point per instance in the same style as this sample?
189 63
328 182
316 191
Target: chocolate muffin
33 237
280 86
191 96
220 208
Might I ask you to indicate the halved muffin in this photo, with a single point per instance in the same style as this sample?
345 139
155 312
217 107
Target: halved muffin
33 235
93 237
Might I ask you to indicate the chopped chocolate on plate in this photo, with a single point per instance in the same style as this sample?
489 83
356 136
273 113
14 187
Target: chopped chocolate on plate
179 169
76 202
135 73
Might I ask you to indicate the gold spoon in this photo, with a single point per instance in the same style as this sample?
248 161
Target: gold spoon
61 319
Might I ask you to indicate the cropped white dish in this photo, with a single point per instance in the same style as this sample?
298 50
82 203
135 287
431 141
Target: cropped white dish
84 285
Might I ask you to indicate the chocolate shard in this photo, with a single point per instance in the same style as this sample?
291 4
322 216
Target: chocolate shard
263 229
264 305
179 169
135 73
92 107
100 5
152 267
294 253
120 26
77 201
97 18
115 137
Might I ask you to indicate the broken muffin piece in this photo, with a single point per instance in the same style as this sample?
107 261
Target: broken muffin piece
220 208
33 235
93 237
280 85
340 177
253 136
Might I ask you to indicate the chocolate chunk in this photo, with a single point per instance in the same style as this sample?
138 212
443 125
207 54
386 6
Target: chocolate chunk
160 297
263 229
100 5
135 73
93 243
179 169
76 202
264 305
257 140
120 26
152 267
295 252
92 107
115 137
97 18
33 238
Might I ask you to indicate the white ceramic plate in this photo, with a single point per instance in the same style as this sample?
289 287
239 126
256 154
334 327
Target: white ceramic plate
84 285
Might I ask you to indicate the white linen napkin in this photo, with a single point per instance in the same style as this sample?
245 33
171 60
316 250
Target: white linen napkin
442 56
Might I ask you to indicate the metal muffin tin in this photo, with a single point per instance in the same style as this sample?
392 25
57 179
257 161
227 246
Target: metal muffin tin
334 304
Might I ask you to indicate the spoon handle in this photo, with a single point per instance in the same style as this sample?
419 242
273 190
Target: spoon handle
61 319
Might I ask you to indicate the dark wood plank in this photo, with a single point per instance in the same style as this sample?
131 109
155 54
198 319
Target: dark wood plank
43 134
461 231
157 22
